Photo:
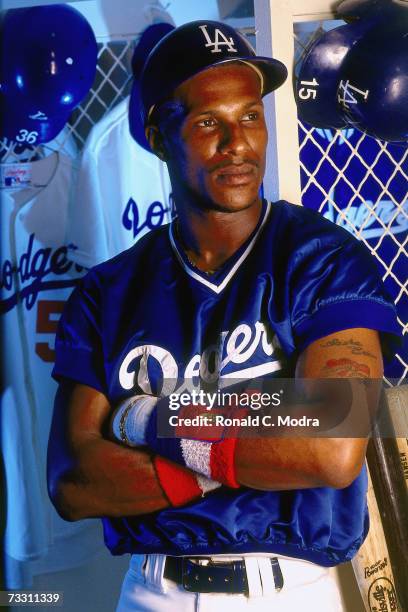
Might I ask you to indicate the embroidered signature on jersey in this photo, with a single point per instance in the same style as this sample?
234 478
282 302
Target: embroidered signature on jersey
243 353
155 215
27 278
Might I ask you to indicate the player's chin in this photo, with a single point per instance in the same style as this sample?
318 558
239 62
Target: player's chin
237 197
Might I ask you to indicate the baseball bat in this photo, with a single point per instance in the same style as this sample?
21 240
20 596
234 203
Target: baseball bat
397 400
391 492
372 564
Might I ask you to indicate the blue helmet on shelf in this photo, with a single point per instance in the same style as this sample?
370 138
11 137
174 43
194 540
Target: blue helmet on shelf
373 92
351 10
147 41
47 66
319 75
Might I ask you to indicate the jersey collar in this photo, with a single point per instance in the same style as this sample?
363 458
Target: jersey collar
220 279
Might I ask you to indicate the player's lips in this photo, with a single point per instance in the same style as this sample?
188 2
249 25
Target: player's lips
236 174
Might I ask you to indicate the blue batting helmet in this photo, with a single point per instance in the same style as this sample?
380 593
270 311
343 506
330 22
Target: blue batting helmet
350 10
373 92
320 74
148 39
51 56
194 47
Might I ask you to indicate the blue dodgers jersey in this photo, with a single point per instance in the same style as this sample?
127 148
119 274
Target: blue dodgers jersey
147 319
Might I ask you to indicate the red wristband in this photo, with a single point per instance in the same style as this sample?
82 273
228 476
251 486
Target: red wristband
178 484
222 463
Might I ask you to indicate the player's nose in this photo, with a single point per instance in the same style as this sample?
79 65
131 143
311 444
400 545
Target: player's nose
233 139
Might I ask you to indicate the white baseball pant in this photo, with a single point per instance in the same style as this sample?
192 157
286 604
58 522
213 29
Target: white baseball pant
307 588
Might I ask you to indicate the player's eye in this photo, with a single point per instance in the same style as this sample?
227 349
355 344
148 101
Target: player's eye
251 116
207 123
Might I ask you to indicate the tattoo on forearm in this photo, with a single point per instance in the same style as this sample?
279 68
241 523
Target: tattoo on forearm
344 367
354 346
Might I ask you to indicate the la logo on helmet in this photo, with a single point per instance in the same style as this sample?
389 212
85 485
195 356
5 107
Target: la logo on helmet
39 116
219 40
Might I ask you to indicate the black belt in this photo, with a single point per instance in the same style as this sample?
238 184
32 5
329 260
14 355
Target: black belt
204 575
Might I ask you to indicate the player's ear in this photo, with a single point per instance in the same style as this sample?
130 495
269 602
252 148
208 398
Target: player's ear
156 142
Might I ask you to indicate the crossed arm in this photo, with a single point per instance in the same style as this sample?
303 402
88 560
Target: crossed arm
89 475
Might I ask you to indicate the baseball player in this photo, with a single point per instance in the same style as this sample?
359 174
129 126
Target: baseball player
234 288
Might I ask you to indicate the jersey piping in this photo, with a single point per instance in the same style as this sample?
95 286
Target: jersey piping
247 248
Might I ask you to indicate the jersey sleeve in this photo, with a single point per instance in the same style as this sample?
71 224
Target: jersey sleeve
78 344
335 285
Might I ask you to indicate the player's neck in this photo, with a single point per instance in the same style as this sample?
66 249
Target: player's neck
211 237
